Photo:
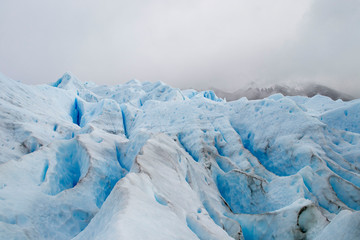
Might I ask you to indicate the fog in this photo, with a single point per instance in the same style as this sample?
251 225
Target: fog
186 44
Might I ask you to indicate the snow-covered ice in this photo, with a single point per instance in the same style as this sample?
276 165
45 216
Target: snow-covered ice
148 161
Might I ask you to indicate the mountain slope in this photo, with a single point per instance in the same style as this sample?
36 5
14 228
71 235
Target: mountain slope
309 90
147 161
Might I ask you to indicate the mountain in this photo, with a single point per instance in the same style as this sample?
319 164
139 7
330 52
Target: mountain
148 161
309 90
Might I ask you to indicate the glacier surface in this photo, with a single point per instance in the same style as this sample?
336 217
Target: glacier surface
148 161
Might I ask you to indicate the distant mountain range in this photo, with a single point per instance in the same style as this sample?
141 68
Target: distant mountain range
309 90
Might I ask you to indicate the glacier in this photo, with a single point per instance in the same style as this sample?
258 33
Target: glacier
144 160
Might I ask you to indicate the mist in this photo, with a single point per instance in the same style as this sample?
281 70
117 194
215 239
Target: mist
186 44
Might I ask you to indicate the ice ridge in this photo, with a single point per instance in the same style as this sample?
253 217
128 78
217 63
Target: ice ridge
144 160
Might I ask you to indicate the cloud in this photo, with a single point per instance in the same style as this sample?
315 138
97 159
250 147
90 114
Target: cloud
183 43
325 49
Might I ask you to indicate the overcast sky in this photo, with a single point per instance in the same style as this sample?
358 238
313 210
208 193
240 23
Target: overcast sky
184 43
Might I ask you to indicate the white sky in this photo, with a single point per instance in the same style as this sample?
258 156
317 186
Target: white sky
187 44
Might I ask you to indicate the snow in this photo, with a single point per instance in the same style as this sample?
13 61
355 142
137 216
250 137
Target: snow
147 194
344 226
148 161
